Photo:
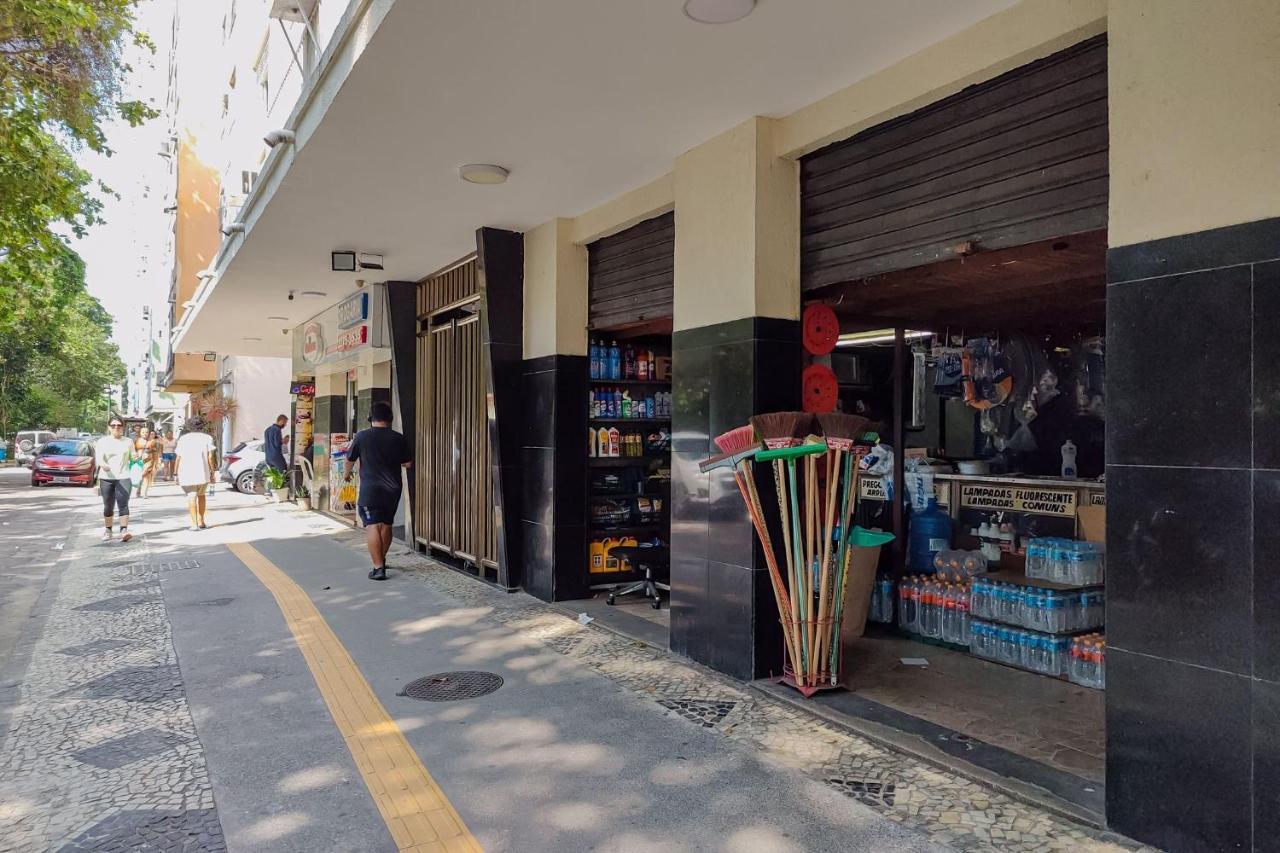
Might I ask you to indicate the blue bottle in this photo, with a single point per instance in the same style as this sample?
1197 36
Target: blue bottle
930 532
595 359
615 361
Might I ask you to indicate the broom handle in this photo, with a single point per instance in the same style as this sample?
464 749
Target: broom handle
801 585
852 471
746 485
824 598
779 480
811 554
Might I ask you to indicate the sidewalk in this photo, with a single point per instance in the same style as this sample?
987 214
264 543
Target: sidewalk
593 742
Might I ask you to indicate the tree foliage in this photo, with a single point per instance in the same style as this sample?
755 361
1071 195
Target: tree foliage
56 356
61 80
61 74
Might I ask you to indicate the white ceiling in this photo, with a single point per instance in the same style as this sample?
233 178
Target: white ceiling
581 99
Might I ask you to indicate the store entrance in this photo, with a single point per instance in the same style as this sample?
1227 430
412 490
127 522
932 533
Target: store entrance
628 485
985 374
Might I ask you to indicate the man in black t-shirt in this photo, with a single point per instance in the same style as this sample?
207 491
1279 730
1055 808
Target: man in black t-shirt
381 452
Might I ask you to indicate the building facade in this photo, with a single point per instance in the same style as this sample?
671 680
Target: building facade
691 189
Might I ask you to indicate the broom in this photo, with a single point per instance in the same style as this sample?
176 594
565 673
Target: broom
841 431
740 447
780 430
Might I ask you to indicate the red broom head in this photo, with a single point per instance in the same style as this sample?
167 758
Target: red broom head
842 430
737 440
782 429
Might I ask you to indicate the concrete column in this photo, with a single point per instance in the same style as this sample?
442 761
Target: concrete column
1193 424
736 352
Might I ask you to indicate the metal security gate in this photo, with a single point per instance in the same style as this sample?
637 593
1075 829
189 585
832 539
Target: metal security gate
454 515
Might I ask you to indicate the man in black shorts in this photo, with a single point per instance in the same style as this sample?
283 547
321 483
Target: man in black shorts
381 452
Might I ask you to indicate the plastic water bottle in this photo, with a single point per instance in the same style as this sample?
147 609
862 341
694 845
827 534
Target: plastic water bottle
962 617
1069 459
906 606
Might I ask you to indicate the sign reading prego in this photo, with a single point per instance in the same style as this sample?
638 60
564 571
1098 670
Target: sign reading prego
1019 499
871 488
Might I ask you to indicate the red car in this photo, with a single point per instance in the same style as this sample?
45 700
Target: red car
66 461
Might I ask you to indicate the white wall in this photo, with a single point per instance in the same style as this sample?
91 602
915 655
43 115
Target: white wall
260 387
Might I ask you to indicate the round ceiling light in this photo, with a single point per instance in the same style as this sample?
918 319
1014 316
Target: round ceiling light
718 11
483 173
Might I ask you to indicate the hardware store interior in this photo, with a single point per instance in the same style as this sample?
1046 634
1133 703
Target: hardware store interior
987 616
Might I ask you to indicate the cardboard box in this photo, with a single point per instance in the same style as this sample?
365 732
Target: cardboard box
662 368
1093 523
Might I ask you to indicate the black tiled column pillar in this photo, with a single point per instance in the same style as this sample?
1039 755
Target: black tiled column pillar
554 452
722 609
500 270
1193 491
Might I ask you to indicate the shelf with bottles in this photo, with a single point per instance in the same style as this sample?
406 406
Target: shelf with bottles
627 461
628 362
627 483
617 403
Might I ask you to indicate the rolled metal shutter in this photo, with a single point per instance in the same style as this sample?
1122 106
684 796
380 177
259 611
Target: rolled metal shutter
631 274
1019 158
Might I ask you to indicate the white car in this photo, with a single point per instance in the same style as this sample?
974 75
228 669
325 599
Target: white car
242 466
28 442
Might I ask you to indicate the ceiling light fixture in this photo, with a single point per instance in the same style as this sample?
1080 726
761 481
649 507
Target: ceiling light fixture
314 293
877 336
252 339
483 173
278 317
718 11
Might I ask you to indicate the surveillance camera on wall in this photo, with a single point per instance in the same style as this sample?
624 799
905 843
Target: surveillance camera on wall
233 228
276 137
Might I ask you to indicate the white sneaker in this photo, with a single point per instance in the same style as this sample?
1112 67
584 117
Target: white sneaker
106 536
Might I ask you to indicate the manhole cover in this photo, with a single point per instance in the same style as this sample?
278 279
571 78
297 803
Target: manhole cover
451 686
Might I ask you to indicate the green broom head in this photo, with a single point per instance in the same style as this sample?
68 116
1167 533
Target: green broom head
782 429
809 448
841 429
738 440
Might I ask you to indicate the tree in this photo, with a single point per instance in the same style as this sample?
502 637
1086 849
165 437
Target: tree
56 356
60 79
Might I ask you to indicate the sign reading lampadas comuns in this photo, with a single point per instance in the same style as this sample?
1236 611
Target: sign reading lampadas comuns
341 333
1031 499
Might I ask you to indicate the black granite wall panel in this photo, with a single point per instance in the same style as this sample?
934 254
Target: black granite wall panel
1193 488
553 455
722 609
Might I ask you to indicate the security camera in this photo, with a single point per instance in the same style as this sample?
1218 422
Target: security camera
290 295
233 228
276 137
284 331
366 261
359 283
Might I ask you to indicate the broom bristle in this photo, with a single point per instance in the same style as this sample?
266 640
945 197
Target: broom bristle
737 440
782 429
842 429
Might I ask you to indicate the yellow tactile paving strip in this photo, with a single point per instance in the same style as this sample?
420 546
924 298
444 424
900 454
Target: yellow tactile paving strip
420 817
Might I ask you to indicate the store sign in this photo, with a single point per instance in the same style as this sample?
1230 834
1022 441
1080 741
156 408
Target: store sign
348 329
354 311
1019 499
313 343
1097 499
303 389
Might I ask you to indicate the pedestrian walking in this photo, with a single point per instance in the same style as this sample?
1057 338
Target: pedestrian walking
273 441
382 453
150 454
167 454
196 468
114 454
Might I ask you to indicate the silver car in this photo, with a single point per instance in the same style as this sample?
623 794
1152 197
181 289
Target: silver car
242 466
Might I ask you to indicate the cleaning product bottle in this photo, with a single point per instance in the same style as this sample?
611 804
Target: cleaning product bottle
629 362
1069 459
615 442
642 364
602 441
596 556
615 361
627 411
593 446
595 359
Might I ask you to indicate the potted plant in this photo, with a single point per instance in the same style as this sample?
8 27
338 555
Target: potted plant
274 480
303 496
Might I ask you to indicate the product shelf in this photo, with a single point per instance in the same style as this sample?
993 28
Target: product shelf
638 421
652 383
625 461
1020 579
628 528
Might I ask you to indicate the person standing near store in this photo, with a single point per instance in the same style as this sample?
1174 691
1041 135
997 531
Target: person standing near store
273 441
196 469
114 454
382 453
167 455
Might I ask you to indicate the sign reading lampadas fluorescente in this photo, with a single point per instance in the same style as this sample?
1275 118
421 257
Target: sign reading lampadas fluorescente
1019 499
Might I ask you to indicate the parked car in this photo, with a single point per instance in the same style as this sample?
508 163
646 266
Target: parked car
28 443
65 461
242 466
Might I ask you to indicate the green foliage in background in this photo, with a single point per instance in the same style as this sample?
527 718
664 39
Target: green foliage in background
56 356
61 74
